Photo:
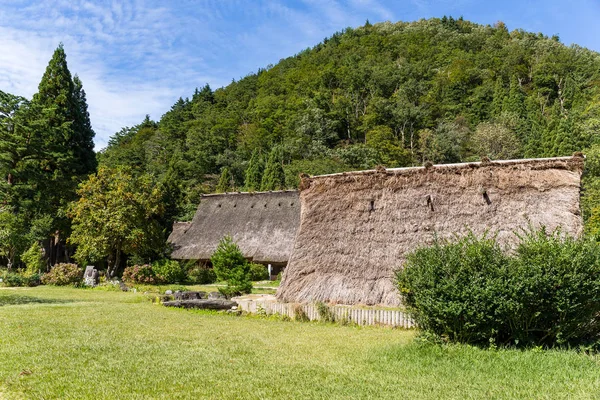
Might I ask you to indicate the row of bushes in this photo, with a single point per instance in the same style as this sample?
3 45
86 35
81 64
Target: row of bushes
60 275
160 272
171 271
546 292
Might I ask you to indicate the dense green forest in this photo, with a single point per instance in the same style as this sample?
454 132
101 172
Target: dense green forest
393 94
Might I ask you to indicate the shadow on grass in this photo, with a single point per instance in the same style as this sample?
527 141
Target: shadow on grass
15 299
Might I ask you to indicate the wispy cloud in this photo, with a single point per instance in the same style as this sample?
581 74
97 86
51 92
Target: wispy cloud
126 54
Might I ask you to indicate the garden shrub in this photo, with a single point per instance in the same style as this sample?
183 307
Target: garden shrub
169 271
553 290
200 274
546 293
325 313
34 260
15 279
140 274
230 266
63 275
258 272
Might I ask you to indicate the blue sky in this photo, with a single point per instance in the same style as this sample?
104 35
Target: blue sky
136 57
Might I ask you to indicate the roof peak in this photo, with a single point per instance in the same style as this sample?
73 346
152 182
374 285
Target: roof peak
485 162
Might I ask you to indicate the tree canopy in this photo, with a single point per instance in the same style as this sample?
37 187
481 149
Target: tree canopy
46 150
117 214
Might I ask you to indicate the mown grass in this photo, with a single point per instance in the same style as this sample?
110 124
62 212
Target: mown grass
78 344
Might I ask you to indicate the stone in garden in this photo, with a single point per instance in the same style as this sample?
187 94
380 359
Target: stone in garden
168 292
205 304
190 295
91 276
216 295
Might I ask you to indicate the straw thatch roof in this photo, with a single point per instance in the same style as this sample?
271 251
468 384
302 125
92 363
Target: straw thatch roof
356 227
179 229
263 224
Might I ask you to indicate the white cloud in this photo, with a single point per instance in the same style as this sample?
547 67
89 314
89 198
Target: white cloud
123 52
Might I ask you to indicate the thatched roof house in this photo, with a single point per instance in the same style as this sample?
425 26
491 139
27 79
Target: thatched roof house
356 227
263 224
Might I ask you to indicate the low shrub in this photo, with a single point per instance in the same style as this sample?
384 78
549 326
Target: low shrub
15 279
545 294
140 274
258 272
169 271
34 260
299 313
63 275
325 313
201 274
231 266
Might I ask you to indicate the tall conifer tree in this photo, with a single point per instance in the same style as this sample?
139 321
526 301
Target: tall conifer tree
274 177
83 138
499 96
224 184
66 156
254 171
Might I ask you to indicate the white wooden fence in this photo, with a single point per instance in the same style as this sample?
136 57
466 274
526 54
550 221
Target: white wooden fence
360 316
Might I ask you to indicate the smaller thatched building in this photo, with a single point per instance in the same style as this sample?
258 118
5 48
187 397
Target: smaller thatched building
357 227
263 224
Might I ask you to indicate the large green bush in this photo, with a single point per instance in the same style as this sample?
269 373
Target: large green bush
230 266
140 274
200 274
34 260
169 271
15 279
63 275
546 293
258 272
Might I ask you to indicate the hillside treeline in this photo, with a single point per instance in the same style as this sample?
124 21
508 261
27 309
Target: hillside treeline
393 94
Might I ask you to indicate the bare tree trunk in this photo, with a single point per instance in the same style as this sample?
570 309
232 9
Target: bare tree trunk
116 264
109 266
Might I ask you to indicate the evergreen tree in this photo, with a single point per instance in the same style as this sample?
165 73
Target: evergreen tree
66 157
230 266
499 96
83 135
515 102
254 172
565 140
274 176
225 182
56 92
67 131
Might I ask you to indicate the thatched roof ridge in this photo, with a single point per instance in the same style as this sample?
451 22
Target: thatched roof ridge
227 194
263 224
549 162
357 227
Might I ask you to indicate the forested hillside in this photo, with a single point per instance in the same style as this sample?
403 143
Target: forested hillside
442 90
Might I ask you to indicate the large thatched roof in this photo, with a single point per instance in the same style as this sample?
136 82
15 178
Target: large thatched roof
263 224
356 227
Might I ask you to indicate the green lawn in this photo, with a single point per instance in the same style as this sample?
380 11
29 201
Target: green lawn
78 344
